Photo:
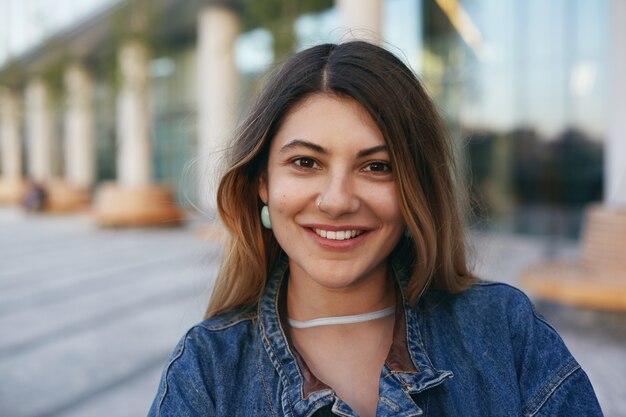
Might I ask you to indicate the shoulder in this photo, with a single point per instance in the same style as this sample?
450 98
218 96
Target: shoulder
209 336
229 319
499 322
493 315
201 357
491 301
491 294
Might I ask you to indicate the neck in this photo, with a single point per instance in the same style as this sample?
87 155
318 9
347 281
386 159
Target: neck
307 300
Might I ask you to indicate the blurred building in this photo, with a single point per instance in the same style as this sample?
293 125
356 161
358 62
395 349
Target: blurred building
524 87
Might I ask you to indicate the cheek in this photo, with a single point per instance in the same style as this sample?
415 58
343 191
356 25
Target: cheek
281 206
285 197
384 201
286 203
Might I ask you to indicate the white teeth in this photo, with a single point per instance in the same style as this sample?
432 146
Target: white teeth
338 235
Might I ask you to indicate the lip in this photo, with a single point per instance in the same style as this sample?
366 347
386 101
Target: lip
334 228
337 244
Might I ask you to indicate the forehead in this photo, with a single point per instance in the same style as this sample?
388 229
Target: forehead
331 121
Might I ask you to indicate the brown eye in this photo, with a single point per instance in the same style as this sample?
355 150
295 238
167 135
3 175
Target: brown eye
305 162
378 166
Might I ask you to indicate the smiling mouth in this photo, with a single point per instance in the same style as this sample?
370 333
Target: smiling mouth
337 234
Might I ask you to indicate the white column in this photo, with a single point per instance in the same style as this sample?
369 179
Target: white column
79 133
615 146
40 129
10 134
362 19
134 157
218 27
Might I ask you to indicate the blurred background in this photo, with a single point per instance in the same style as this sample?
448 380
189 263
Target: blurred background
114 115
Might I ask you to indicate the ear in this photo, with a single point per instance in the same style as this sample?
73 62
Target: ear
263 193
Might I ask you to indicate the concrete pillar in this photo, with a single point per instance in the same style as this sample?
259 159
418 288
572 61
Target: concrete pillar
134 156
39 130
615 146
134 200
218 27
362 19
73 192
11 181
79 129
10 133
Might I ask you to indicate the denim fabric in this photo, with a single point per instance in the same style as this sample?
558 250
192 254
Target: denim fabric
483 352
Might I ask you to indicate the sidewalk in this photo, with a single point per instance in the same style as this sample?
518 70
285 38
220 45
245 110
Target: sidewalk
88 316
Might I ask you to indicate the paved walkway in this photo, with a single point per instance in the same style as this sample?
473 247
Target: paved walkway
88 316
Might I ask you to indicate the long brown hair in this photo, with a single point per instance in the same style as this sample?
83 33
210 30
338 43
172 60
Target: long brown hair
421 156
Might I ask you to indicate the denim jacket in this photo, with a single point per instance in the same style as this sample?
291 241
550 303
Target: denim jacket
482 352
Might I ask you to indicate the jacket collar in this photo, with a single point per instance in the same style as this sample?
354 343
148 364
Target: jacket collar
303 393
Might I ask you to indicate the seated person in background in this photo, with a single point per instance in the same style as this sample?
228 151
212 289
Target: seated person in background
34 197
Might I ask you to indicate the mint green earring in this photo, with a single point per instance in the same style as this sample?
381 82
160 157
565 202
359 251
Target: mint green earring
265 217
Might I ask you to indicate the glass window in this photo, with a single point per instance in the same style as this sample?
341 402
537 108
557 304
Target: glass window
522 86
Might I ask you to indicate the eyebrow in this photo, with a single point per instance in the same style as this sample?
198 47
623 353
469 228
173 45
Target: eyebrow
320 149
367 152
297 143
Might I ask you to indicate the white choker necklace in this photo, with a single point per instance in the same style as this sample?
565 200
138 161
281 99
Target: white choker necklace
357 318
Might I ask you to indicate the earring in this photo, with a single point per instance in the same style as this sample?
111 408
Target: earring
407 233
265 217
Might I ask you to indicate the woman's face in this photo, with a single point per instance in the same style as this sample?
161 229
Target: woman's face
331 194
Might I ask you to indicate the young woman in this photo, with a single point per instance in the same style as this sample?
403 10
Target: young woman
344 288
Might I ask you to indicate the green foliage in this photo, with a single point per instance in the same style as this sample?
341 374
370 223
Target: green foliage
136 20
279 16
53 74
12 75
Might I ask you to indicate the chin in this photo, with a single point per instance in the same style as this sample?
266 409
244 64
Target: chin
335 279
336 283
335 274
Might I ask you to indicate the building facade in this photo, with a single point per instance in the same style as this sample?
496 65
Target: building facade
527 89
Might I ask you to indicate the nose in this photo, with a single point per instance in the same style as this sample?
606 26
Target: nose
338 196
